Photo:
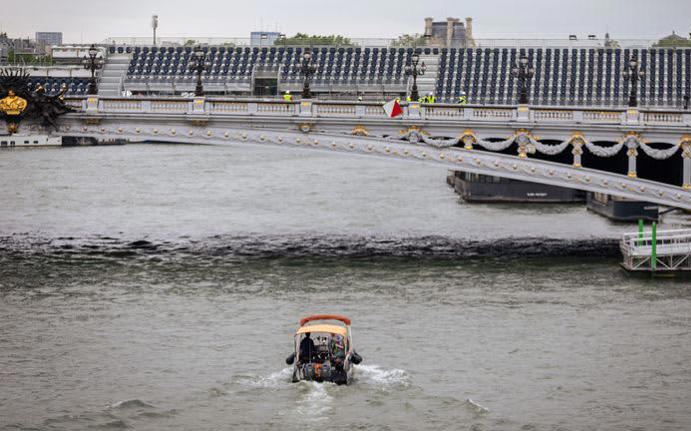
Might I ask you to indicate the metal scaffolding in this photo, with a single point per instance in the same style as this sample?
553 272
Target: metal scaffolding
657 251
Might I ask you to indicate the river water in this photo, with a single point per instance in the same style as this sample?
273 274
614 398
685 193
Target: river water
157 287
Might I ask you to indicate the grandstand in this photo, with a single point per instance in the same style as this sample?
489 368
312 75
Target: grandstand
564 76
583 76
348 69
64 67
52 85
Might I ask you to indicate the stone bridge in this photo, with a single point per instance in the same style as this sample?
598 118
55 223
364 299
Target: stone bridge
599 150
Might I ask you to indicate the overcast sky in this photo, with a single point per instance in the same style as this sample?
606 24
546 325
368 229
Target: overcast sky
95 20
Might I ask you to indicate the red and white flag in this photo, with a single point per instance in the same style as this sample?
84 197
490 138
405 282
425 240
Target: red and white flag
392 108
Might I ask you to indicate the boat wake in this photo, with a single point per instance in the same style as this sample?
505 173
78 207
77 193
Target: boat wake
314 401
476 407
274 380
376 376
370 375
129 404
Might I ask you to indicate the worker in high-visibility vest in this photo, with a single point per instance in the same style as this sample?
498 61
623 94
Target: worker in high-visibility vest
462 99
431 98
287 96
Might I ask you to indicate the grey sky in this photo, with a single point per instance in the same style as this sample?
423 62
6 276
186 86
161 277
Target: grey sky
94 20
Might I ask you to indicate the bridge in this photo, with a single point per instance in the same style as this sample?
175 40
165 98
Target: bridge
581 148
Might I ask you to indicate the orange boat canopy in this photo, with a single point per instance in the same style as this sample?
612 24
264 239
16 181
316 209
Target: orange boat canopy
333 329
325 317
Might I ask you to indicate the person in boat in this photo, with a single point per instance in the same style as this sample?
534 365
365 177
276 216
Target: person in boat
337 349
306 349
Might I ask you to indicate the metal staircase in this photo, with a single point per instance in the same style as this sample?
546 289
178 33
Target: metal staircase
110 83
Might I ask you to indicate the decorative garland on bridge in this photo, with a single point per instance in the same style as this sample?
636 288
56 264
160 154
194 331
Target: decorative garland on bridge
550 150
527 143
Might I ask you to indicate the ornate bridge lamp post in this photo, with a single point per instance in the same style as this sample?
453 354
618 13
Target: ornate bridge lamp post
199 64
307 69
523 72
632 73
93 64
414 70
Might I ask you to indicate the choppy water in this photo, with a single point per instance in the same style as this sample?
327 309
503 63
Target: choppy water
157 287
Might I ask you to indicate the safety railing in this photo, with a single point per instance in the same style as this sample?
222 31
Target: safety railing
662 117
444 112
332 110
121 105
275 108
492 113
527 115
667 242
600 116
228 107
169 106
552 115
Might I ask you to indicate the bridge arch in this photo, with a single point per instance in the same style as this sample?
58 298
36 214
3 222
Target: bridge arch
413 145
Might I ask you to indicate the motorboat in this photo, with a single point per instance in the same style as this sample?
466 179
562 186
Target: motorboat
323 350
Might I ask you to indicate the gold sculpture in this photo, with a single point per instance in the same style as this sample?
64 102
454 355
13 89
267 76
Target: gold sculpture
12 104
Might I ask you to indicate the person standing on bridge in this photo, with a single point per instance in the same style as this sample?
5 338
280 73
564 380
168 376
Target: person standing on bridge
287 96
462 99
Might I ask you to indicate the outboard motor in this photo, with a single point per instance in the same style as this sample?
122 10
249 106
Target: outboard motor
325 371
317 372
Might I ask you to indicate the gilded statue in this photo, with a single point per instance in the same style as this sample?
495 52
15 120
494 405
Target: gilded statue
12 104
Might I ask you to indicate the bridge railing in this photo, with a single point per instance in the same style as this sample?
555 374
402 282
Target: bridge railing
666 241
213 106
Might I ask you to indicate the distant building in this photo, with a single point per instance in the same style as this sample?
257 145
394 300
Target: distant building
48 38
17 46
27 48
264 38
673 41
449 33
674 38
5 45
45 40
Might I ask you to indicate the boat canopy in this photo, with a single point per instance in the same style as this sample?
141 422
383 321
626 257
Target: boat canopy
325 317
334 329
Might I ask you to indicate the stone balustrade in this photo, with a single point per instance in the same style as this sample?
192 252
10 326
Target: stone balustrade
366 110
663 117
